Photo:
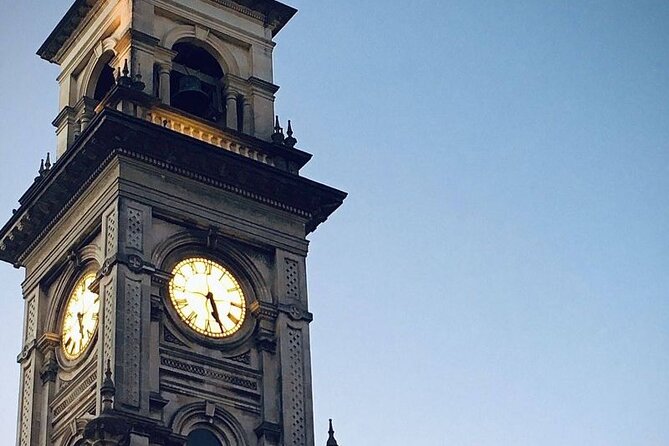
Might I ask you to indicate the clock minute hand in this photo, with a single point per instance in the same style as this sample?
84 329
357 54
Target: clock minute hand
80 318
214 311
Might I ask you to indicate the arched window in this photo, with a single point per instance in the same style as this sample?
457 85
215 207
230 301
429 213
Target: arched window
196 82
202 437
105 82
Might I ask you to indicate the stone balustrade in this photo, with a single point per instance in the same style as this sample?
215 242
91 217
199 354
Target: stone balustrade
197 129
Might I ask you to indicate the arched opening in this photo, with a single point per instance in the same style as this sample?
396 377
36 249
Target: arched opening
196 85
105 82
202 437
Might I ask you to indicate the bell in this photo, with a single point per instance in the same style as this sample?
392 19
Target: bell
191 97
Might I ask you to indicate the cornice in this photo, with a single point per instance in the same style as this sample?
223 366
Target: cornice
273 14
113 135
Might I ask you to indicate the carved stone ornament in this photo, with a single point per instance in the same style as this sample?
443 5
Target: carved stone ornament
135 263
107 430
271 431
75 258
107 266
49 370
47 345
297 313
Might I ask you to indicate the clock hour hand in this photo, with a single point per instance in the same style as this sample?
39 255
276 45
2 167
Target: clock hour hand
214 311
80 318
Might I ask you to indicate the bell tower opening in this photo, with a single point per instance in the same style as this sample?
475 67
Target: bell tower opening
105 82
202 437
196 82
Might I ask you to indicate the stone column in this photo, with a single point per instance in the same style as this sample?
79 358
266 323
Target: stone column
164 70
248 117
231 109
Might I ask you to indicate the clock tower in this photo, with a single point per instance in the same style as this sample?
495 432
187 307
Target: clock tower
164 249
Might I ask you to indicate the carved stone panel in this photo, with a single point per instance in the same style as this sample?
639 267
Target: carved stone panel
132 342
111 233
296 410
26 405
292 278
31 319
108 321
135 237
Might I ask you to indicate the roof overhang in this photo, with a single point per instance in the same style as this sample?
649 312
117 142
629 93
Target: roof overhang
113 134
274 14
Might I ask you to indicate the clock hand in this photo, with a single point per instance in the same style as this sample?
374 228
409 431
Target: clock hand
214 311
80 318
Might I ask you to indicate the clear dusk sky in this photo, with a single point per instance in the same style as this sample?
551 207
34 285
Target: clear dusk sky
499 275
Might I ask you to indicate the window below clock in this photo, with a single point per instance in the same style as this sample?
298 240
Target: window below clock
202 437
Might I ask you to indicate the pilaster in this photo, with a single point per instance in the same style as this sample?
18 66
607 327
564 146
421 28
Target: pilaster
262 103
294 349
126 288
30 416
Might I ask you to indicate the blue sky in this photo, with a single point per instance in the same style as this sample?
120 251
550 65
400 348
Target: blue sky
500 272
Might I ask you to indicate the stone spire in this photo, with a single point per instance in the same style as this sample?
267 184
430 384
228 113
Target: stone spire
108 429
107 390
331 439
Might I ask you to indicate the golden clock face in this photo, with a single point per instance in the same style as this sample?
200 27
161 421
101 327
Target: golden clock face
207 297
81 318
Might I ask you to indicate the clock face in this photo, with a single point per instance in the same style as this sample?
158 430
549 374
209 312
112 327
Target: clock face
207 297
81 318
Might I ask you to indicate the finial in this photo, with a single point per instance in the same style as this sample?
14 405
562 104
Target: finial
290 141
277 136
118 74
47 163
123 76
41 168
137 83
107 390
331 439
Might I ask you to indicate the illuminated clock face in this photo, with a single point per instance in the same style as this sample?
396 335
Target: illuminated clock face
81 318
207 297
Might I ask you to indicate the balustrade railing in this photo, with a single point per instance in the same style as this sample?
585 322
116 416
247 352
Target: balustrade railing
209 134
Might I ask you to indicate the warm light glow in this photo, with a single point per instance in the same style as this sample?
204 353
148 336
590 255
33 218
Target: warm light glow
207 297
81 318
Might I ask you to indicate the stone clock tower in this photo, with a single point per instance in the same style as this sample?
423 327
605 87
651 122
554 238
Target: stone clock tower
165 290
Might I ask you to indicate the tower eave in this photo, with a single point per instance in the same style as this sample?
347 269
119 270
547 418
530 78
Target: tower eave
50 197
275 15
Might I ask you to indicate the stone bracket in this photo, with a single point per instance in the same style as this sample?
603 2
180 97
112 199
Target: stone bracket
270 431
296 312
134 263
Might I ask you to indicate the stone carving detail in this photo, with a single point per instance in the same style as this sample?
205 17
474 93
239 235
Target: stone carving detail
111 233
133 298
108 329
31 327
135 229
296 415
199 370
244 358
27 405
76 394
292 279
169 337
